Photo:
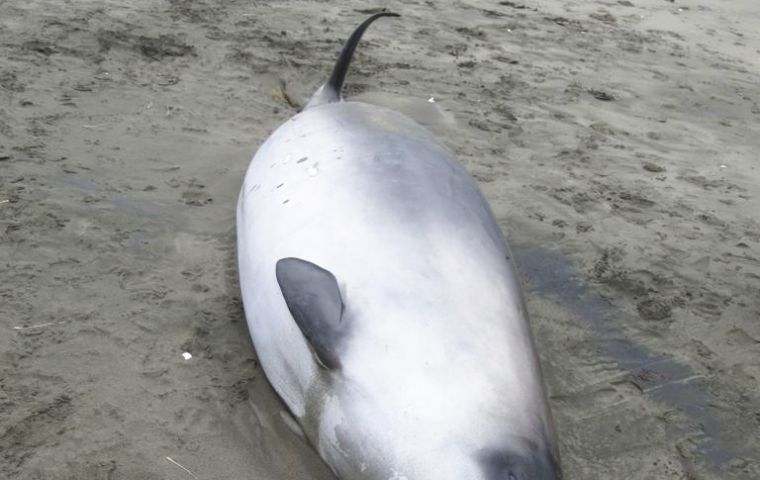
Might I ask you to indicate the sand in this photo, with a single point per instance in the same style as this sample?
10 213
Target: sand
616 140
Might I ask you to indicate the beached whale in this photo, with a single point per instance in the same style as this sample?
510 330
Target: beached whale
382 300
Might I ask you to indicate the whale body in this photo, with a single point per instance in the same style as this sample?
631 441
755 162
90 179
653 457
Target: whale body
382 300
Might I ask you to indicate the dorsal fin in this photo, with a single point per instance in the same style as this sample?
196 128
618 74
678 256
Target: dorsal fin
330 91
313 298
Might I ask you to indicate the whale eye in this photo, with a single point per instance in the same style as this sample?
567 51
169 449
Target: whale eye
504 465
531 463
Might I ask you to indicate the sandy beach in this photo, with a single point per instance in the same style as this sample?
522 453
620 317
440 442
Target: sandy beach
617 142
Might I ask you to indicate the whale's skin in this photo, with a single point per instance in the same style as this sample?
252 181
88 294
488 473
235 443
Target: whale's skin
438 375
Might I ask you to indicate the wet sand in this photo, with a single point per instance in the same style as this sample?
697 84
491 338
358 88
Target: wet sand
617 142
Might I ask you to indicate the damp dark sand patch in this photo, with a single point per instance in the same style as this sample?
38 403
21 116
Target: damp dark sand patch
659 376
161 210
